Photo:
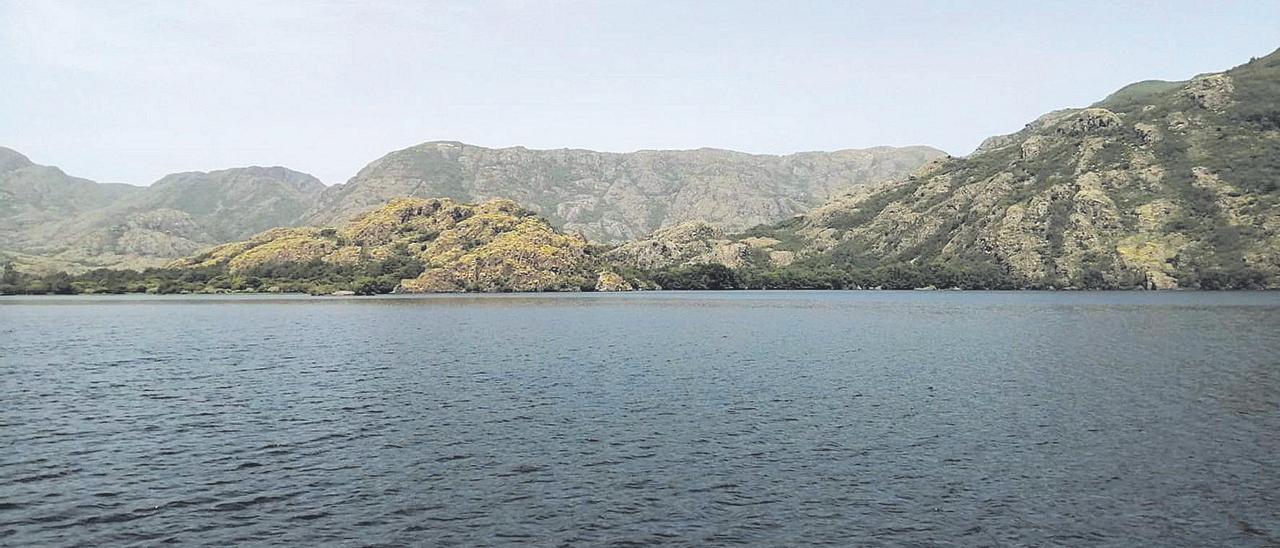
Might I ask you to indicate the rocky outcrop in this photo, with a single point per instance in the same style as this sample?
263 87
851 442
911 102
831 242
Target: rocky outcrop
690 243
1211 92
685 243
695 243
1086 122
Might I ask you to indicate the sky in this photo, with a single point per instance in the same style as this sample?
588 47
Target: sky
126 91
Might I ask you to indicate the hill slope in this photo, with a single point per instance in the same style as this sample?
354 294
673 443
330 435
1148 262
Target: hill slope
610 197
1164 184
52 221
33 198
414 245
176 216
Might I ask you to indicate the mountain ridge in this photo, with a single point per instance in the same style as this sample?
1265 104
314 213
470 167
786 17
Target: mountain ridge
136 226
1176 185
614 196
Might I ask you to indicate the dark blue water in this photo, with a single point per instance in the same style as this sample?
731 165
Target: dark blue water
698 419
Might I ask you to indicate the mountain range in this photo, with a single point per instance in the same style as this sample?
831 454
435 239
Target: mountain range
1162 184
52 221
612 197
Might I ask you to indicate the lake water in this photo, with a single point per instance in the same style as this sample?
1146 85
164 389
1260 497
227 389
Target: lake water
698 419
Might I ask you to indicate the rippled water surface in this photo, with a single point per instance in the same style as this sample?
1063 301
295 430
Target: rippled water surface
700 419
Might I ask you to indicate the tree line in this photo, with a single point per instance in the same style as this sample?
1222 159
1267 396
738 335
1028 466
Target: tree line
314 277
374 277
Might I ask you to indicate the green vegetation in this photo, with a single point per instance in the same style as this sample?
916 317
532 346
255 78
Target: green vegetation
409 245
382 277
703 276
314 277
1161 185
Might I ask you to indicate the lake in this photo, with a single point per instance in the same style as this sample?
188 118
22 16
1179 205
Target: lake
670 418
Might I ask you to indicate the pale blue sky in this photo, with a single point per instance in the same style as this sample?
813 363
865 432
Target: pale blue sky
128 91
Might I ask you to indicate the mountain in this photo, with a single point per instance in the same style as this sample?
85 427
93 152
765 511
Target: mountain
34 197
411 245
1162 185
184 212
235 203
611 197
175 216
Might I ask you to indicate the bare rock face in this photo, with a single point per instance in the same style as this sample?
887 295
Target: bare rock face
1032 147
1149 133
1087 121
612 197
1178 122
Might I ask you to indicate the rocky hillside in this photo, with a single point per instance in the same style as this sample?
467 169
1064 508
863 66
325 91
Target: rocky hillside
34 198
697 242
235 203
1162 184
612 197
491 246
175 216
184 212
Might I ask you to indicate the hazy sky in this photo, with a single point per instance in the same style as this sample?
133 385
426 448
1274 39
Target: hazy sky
128 91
